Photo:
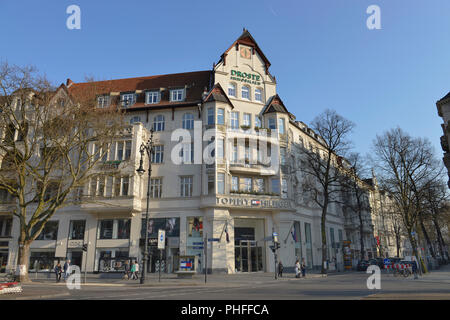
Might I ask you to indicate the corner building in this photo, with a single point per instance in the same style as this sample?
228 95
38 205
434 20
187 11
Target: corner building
237 203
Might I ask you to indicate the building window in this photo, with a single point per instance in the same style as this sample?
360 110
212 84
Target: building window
103 101
210 116
5 227
220 116
158 123
234 157
259 185
234 120
258 95
221 183
128 99
101 186
76 229
232 90
135 119
127 150
247 119
211 181
106 229
275 186
152 97
235 183
158 154
186 186
220 150
123 228
281 126
282 155
245 92
155 188
187 153
50 231
120 150
188 121
272 124
257 121
247 184
125 185
177 95
284 189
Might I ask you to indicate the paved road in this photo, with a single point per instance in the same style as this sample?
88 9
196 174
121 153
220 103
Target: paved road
347 286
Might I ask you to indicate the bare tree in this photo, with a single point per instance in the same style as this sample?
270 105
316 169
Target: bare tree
356 191
406 166
46 144
320 165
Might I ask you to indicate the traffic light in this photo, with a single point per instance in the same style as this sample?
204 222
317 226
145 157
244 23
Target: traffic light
84 247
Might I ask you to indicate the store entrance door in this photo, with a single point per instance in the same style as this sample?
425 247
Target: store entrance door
248 256
3 260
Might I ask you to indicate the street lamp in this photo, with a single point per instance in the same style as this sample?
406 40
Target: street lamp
148 148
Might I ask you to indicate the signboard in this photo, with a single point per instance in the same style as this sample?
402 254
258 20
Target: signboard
387 261
249 203
161 239
213 239
245 77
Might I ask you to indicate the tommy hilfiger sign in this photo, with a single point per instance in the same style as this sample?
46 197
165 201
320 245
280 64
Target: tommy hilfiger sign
252 203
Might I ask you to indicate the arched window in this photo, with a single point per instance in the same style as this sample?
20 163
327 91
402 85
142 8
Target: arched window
158 123
188 121
258 94
245 92
232 90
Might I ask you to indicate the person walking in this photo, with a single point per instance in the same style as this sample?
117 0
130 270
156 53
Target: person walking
133 270
303 268
58 271
67 269
280 269
127 270
297 269
136 272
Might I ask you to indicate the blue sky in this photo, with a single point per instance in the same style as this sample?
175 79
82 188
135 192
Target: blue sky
322 53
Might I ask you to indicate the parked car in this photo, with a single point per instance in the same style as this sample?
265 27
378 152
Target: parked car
362 265
377 262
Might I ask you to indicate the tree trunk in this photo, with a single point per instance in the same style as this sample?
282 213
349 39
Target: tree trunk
420 263
427 239
324 241
441 242
361 233
397 242
24 261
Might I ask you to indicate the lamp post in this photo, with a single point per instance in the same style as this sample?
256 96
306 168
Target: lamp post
148 148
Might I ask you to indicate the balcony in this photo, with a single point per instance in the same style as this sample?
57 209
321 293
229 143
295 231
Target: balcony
118 204
250 168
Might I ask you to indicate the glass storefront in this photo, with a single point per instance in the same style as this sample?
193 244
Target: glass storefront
42 260
247 254
168 259
194 245
112 259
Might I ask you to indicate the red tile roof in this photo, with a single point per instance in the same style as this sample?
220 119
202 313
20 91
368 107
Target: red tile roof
194 82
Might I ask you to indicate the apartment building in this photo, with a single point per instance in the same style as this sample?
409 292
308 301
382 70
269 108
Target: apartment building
237 200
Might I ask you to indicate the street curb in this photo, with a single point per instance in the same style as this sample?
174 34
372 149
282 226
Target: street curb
49 296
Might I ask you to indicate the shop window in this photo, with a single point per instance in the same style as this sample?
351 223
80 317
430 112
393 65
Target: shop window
50 231
42 260
195 227
170 225
76 229
113 259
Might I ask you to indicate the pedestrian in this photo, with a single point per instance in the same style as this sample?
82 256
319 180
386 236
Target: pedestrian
303 268
127 270
58 271
133 270
297 269
280 269
136 270
67 269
